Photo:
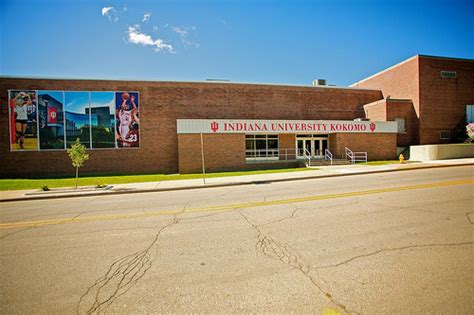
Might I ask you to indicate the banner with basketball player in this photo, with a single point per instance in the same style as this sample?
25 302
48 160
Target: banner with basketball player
127 130
23 119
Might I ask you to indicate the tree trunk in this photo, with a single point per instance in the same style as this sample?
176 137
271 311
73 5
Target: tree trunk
77 175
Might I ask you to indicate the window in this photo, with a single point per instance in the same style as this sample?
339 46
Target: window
470 114
400 125
449 74
444 135
261 147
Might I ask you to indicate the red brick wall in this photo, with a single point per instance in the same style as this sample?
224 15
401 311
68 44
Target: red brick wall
443 100
403 109
379 146
376 111
398 82
333 147
161 103
222 152
287 146
388 110
438 102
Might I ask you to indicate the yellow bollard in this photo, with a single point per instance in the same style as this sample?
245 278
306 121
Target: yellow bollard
402 159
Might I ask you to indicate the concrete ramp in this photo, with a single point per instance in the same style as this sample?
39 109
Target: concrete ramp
441 151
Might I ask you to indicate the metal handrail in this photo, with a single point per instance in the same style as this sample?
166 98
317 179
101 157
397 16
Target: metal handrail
271 154
349 154
360 157
307 155
355 156
328 155
285 155
263 152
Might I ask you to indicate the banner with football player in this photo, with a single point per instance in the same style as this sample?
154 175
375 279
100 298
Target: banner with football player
127 130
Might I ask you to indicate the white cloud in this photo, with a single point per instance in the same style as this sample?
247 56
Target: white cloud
135 36
183 32
105 10
146 17
110 13
155 28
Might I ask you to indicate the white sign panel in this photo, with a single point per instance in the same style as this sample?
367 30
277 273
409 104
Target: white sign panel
283 126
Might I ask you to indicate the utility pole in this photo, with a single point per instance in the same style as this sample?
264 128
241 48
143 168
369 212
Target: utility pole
202 157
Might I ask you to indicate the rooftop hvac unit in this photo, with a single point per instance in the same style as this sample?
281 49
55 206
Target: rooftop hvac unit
319 82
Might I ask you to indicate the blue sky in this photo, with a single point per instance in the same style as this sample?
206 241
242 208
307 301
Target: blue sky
76 102
289 42
99 99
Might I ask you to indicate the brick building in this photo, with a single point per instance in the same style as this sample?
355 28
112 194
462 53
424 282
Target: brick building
242 126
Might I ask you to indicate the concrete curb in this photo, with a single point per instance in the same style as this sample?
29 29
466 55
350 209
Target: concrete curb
256 182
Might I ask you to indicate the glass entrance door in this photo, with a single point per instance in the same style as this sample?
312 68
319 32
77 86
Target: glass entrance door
320 145
304 147
313 146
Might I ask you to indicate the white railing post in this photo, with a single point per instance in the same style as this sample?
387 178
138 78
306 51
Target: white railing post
349 154
360 157
328 155
307 154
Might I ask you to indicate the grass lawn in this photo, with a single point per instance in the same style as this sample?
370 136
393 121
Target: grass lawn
17 184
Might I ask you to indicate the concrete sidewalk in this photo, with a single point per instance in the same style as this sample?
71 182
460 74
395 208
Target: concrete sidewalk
320 172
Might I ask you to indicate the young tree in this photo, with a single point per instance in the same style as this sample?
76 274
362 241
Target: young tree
78 156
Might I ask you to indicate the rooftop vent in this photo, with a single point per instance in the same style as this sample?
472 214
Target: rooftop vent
218 80
319 82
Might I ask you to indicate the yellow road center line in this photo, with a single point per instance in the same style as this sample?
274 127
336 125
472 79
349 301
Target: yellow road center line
229 207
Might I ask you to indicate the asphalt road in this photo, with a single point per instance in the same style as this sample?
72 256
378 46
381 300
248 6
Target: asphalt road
397 242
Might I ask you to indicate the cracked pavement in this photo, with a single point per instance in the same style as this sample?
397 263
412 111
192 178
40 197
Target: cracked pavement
402 251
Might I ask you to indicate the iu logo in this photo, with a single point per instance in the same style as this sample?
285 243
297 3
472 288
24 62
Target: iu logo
214 126
52 115
372 127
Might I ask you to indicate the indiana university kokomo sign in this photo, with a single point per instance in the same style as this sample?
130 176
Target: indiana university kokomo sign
283 126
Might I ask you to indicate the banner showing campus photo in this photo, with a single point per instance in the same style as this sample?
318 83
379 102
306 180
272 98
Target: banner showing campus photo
23 118
127 119
102 109
51 120
77 118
